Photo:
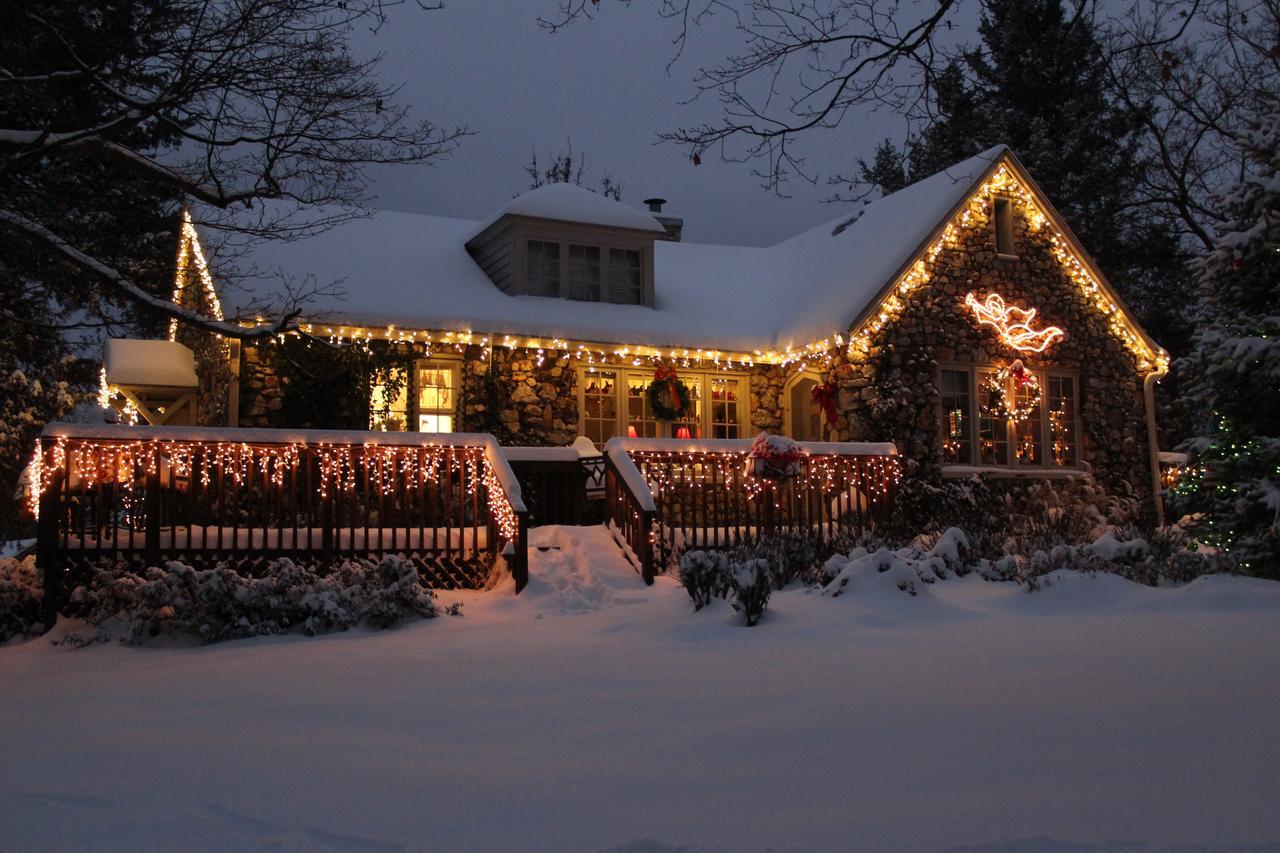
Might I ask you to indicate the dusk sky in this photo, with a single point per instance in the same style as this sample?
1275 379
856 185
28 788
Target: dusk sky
604 84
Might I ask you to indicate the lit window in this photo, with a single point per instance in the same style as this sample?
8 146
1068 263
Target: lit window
978 427
993 433
437 396
956 429
600 405
1061 403
616 403
544 268
726 421
389 403
640 421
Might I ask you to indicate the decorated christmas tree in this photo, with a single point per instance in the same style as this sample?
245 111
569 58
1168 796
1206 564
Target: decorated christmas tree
1233 489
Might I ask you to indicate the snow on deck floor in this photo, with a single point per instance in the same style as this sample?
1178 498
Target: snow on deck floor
591 712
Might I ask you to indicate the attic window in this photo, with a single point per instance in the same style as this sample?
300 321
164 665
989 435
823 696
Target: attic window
1002 220
586 272
544 268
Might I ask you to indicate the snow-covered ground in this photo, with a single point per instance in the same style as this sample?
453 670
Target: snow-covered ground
592 713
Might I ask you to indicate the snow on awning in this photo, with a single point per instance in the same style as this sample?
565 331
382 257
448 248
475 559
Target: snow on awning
130 361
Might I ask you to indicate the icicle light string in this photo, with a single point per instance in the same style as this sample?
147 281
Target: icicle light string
341 467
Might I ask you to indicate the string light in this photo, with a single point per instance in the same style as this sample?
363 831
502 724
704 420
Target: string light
189 253
342 467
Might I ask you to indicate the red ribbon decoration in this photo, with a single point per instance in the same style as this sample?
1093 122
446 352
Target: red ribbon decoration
825 396
669 376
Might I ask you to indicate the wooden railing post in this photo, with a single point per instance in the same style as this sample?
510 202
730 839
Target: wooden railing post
647 569
48 552
151 540
520 561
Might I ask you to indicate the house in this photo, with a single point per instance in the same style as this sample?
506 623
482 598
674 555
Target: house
958 318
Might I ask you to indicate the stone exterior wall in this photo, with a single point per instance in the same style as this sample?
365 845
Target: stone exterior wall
890 392
886 392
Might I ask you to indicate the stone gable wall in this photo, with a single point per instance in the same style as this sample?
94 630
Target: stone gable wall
890 392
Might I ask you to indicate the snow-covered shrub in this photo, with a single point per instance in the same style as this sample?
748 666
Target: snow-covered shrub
752 585
741 575
220 603
20 597
926 560
792 555
704 575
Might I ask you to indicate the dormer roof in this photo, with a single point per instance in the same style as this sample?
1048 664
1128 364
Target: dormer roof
571 203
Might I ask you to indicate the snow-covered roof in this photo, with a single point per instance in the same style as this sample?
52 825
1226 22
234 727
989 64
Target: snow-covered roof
570 203
413 271
139 362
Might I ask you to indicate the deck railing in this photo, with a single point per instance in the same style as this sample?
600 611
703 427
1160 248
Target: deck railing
152 493
667 494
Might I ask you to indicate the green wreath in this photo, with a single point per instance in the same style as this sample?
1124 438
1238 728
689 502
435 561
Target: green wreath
660 403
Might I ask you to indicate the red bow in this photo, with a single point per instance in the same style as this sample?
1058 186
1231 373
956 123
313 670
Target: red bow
825 396
669 376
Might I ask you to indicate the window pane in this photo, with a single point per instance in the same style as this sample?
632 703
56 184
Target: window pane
544 268
584 273
726 397
957 432
1028 431
390 413
690 426
993 430
640 421
435 423
600 405
624 276
1061 402
437 396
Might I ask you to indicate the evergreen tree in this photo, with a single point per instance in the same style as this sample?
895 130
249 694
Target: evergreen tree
1233 372
1039 85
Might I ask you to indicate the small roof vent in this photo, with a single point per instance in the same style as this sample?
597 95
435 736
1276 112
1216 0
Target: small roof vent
655 204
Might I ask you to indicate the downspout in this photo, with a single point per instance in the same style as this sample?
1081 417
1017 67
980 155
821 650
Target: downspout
1153 446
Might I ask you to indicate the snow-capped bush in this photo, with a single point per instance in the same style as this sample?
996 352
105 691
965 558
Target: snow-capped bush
752 585
908 568
20 597
221 604
704 575
740 575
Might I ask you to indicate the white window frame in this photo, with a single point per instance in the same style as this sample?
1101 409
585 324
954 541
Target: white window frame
666 429
451 363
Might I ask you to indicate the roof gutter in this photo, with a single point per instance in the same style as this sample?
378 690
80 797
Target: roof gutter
1153 446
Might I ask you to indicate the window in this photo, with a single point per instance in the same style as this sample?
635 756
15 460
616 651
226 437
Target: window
584 273
1002 221
389 409
957 428
614 402
625 284
437 395
640 421
726 408
588 273
544 268
975 429
1060 399
599 405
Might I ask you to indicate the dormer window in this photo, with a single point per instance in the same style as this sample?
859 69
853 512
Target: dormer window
584 273
567 242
